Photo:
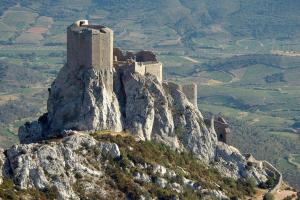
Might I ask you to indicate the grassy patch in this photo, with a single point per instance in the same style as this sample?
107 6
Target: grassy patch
294 159
220 76
44 21
19 19
6 28
293 136
29 38
5 36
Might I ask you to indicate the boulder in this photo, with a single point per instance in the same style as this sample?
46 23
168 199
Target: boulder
110 150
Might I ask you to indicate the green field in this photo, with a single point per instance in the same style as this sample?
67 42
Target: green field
294 159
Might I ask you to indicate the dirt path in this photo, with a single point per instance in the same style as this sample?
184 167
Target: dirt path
9 97
190 59
259 194
286 53
236 74
284 191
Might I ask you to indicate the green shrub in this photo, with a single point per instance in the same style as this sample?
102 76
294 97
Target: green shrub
179 130
9 191
50 192
78 175
251 182
124 182
270 183
124 161
288 198
269 196
164 194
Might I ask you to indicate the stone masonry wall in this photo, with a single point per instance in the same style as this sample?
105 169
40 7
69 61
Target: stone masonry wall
190 90
140 68
154 68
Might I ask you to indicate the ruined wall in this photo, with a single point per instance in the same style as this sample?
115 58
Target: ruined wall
154 68
276 174
190 91
222 129
140 68
251 161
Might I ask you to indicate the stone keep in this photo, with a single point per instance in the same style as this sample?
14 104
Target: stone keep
91 46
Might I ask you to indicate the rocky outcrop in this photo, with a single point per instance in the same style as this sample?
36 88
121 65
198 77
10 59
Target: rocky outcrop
161 112
44 166
230 162
79 164
79 100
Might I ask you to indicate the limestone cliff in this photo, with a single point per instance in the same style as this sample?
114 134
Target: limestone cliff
78 100
142 106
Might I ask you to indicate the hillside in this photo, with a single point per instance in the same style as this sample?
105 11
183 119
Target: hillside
227 47
110 166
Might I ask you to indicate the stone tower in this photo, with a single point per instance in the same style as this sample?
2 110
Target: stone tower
190 91
91 46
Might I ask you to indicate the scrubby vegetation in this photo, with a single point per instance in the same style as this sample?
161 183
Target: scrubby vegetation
269 196
9 191
276 151
183 163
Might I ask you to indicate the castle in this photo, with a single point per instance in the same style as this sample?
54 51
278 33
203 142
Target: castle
92 46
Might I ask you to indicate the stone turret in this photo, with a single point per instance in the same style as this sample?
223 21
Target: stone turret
190 90
91 46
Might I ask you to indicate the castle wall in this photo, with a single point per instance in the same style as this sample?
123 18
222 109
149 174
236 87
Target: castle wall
140 68
222 130
277 175
190 91
154 68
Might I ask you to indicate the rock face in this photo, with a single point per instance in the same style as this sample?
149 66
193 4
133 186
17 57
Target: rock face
140 105
78 100
79 166
233 164
161 112
44 166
